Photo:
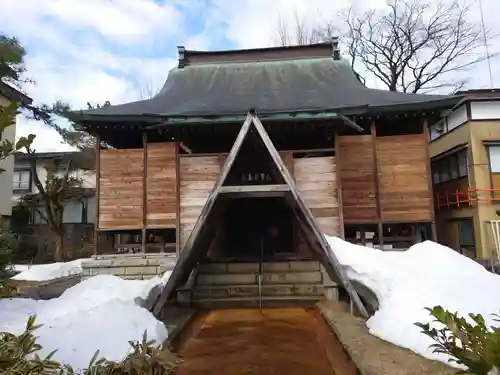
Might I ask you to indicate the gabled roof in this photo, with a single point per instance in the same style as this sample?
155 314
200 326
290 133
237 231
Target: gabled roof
203 231
14 94
216 86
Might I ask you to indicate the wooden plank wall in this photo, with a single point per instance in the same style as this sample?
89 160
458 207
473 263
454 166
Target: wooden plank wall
316 181
197 178
161 185
121 189
403 169
356 166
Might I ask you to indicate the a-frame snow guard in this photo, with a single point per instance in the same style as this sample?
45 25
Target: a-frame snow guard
193 249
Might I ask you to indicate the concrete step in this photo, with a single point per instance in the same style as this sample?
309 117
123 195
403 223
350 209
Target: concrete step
271 301
225 291
254 267
295 277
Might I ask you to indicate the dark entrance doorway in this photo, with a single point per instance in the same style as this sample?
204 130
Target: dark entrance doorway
257 229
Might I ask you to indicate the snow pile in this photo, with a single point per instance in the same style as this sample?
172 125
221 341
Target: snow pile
51 271
101 313
405 283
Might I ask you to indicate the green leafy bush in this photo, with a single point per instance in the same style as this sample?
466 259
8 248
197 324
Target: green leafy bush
474 345
18 356
9 243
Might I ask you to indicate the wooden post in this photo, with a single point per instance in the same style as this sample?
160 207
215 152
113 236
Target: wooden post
434 231
177 200
431 189
380 230
97 163
380 226
144 190
339 186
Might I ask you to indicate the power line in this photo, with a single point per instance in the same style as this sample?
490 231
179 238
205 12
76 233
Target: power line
488 60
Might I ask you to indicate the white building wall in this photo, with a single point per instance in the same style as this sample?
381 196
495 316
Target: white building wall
457 117
8 166
485 110
73 210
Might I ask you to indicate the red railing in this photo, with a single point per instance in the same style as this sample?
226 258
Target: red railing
466 198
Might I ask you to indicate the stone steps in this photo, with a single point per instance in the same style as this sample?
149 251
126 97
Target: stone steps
255 267
268 290
274 301
296 277
233 284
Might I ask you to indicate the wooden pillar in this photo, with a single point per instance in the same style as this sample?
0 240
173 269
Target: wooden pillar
339 186
97 163
431 188
144 190
177 200
380 227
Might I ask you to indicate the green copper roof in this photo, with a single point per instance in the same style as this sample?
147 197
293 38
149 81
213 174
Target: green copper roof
271 87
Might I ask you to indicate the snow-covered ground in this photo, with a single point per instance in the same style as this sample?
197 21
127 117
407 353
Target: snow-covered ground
104 312
101 313
51 271
405 283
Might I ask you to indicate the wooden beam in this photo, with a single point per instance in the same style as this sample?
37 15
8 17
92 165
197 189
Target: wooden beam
177 199
97 161
339 186
330 261
431 187
380 227
144 190
182 268
254 191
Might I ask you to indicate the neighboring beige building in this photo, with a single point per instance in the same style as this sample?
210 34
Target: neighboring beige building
77 211
465 155
8 94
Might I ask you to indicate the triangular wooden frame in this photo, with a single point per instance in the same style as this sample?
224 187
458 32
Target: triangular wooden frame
190 254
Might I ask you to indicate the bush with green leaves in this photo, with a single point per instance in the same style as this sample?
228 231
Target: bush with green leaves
471 343
9 243
18 356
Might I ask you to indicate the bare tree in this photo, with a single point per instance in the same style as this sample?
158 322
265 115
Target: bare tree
49 202
301 32
147 90
416 45
412 45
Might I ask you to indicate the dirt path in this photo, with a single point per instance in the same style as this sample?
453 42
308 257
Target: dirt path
269 341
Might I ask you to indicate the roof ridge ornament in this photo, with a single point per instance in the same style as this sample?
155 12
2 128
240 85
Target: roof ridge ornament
182 56
335 48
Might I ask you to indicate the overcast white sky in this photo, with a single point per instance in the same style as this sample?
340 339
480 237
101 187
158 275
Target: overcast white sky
98 50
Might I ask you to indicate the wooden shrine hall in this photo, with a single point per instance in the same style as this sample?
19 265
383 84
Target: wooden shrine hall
249 155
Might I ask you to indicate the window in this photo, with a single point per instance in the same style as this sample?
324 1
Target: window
462 164
436 130
453 168
84 210
450 167
22 180
494 152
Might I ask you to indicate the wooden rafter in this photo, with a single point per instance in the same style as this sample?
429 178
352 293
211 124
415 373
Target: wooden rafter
194 248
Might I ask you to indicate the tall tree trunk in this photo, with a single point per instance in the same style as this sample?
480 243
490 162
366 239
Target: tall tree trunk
59 253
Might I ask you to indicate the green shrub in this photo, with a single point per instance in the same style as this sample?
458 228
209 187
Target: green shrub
18 357
9 243
476 346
